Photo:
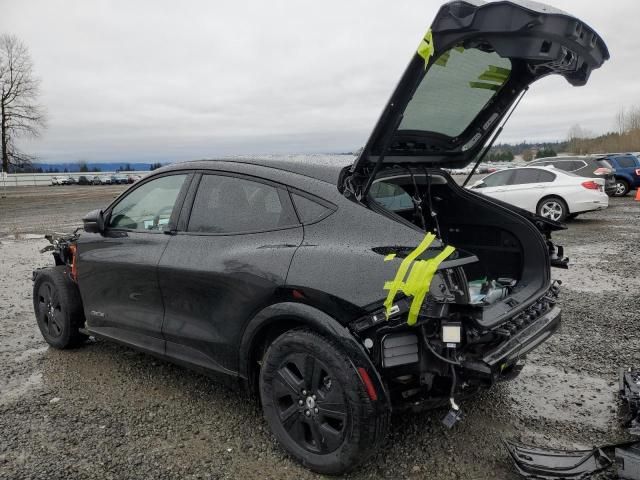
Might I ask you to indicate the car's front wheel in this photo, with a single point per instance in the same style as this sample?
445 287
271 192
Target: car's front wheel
316 404
58 308
622 187
553 208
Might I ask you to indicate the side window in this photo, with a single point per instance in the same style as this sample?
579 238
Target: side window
531 175
225 204
308 210
498 179
564 165
626 162
391 196
545 177
149 206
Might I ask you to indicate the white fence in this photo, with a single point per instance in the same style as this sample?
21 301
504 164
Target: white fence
44 179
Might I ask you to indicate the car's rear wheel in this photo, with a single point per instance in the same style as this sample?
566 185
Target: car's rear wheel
316 404
58 308
553 208
622 188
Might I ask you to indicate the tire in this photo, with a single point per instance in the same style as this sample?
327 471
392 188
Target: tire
302 374
58 308
622 188
553 208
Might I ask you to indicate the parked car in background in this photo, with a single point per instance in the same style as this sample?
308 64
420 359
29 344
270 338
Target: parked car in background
627 171
118 180
71 180
583 166
58 180
133 178
546 191
101 180
84 180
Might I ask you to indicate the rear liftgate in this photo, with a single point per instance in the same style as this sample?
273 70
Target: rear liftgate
470 70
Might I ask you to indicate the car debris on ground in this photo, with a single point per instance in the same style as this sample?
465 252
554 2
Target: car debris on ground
547 464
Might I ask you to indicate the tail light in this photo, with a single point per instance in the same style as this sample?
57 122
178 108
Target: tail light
73 249
591 185
602 171
638 172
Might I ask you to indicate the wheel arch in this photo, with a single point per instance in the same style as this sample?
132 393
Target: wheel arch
278 318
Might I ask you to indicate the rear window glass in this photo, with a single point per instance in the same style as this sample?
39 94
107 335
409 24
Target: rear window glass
454 90
605 164
391 196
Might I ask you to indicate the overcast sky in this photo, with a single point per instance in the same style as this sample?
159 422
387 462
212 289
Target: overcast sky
175 80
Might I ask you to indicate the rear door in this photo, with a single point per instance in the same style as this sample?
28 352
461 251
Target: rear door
229 258
527 187
118 269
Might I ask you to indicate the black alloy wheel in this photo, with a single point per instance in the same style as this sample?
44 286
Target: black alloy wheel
316 404
310 405
58 308
50 314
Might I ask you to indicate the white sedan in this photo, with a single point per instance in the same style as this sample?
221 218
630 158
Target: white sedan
549 192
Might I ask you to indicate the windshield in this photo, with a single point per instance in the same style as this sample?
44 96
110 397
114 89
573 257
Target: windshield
454 90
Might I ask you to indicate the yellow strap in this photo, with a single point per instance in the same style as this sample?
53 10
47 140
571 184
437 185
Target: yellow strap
389 257
426 49
419 279
397 283
419 283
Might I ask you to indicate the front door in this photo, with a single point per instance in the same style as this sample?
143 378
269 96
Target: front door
118 269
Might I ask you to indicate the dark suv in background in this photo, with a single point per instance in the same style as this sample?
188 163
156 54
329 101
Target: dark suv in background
590 167
627 171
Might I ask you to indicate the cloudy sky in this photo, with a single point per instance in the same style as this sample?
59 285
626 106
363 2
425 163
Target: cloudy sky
175 80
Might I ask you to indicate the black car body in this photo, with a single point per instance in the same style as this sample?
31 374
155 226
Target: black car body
342 292
583 166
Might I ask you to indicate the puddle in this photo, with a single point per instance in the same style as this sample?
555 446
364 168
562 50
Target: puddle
19 387
549 393
26 354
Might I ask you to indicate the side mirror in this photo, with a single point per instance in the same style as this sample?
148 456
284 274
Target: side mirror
94 222
478 184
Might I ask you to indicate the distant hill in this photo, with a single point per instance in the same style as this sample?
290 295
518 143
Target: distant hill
75 167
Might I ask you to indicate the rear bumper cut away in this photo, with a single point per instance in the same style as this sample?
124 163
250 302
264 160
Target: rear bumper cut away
502 358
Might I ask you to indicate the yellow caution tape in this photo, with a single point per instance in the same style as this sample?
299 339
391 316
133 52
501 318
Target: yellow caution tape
426 49
419 279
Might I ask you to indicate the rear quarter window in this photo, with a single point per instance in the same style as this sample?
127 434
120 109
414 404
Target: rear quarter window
308 210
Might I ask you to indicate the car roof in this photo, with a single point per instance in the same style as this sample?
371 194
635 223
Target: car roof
325 168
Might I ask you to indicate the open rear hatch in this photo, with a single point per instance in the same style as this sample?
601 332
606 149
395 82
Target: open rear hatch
472 66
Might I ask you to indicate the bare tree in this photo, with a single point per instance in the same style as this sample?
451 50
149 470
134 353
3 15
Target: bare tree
20 114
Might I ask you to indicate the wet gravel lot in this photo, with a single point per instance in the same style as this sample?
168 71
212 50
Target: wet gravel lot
106 411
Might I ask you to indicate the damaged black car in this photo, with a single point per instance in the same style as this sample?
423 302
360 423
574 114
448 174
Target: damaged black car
340 293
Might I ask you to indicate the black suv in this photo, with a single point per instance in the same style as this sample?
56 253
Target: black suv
583 166
340 293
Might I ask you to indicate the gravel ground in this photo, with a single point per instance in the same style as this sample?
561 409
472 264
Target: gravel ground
105 411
